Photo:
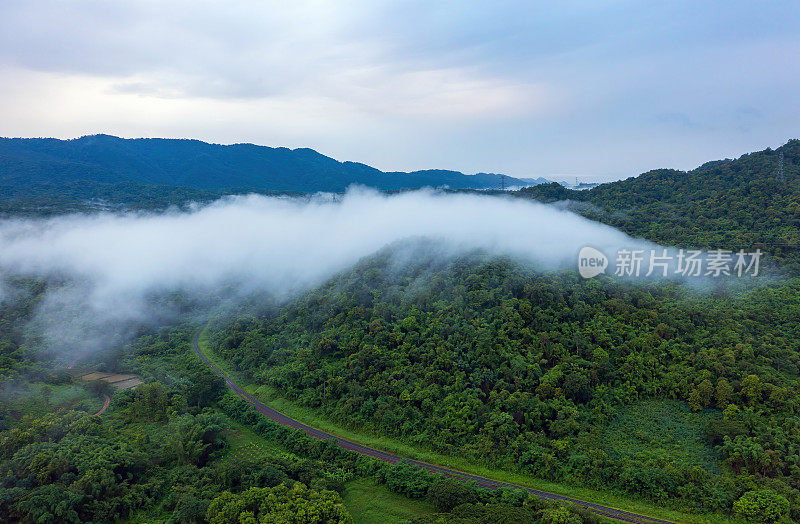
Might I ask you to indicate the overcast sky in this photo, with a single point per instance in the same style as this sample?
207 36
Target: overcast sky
560 89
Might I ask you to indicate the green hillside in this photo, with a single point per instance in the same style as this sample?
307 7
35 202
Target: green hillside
725 204
549 375
36 166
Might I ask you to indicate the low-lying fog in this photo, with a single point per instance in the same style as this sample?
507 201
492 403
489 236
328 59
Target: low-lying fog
256 243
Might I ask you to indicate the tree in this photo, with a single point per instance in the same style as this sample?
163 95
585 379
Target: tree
761 505
559 515
751 388
576 387
296 505
202 387
193 439
151 402
448 493
700 397
189 509
408 480
706 390
695 400
724 393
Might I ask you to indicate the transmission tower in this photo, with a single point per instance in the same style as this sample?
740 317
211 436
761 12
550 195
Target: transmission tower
502 182
781 176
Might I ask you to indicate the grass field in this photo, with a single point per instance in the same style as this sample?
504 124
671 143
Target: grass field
658 429
245 441
369 502
312 418
39 398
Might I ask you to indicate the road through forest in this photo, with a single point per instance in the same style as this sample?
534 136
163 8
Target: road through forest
280 418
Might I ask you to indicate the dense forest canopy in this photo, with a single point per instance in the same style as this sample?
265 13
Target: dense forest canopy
548 373
180 449
681 397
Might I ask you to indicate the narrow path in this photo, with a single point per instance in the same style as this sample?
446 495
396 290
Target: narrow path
280 418
105 406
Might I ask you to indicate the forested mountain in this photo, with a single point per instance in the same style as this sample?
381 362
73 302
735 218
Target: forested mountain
725 204
655 391
180 449
45 165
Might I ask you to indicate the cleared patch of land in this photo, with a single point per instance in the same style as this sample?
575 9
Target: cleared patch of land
369 502
655 430
119 380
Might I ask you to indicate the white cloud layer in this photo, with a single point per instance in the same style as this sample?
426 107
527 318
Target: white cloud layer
257 243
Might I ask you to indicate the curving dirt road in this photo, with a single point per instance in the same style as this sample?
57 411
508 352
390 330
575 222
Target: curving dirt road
106 402
279 417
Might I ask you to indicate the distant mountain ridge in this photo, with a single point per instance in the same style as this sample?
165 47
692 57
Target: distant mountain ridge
105 159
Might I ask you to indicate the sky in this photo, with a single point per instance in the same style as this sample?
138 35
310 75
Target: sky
597 90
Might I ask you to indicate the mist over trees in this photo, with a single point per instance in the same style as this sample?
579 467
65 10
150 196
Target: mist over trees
486 347
532 372
742 203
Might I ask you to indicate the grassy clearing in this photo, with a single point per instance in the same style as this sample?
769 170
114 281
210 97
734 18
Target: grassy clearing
245 441
312 418
662 429
38 398
370 502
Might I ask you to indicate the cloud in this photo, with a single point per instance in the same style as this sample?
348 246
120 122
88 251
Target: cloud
247 52
516 87
112 265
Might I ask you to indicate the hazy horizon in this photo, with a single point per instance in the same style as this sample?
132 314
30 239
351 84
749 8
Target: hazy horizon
585 178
